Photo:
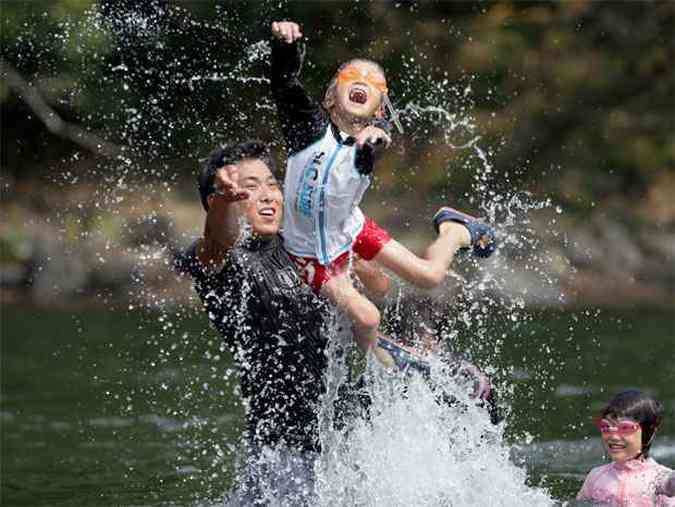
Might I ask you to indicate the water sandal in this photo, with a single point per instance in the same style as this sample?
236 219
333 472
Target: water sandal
483 237
403 358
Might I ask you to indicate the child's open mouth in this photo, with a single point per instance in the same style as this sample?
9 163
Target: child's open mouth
358 95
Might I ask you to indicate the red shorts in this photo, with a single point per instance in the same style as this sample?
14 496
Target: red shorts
367 245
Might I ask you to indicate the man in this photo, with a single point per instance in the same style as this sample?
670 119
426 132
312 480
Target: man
270 320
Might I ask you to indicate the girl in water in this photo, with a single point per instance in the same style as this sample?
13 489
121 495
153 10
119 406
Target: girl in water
628 425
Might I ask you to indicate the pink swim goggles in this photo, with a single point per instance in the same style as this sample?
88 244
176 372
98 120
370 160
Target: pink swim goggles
624 427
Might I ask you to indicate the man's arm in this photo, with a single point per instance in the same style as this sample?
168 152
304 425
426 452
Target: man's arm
221 229
302 120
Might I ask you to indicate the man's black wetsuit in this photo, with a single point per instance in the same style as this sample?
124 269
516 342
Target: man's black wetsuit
272 323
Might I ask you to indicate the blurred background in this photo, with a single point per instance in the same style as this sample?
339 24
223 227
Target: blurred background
554 120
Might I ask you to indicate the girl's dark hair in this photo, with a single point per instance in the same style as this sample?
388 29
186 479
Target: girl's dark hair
646 411
231 154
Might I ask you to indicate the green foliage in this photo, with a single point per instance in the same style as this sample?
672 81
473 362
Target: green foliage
579 90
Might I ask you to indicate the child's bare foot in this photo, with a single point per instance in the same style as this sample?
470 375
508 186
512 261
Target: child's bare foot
458 231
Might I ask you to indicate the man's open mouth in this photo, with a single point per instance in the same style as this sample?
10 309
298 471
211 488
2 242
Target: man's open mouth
267 212
358 95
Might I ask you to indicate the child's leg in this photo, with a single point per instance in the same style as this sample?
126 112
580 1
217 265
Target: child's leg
334 282
364 315
428 271
374 280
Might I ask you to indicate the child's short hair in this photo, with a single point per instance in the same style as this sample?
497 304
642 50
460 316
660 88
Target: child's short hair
633 404
333 82
231 154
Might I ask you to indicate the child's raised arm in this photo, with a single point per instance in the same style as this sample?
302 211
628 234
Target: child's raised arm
287 31
301 118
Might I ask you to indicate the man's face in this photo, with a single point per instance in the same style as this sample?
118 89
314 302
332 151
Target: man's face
263 208
359 89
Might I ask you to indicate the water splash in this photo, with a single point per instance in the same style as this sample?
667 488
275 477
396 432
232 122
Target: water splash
415 449
412 449
448 122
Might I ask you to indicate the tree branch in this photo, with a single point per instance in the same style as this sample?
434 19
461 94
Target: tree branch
54 123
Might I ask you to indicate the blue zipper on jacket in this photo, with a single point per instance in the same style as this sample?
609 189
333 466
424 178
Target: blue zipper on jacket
322 208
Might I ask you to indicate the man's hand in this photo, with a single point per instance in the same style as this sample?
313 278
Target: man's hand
373 135
225 183
221 228
287 31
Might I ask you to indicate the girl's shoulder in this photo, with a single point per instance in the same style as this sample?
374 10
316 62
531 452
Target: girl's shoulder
595 482
664 477
653 462
600 470
664 482
657 467
597 473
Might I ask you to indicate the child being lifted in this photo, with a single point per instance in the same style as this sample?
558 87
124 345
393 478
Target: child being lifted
331 152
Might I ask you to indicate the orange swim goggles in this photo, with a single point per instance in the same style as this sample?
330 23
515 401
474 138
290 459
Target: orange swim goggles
351 74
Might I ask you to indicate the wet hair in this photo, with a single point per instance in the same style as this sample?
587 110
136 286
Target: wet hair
231 154
646 411
333 82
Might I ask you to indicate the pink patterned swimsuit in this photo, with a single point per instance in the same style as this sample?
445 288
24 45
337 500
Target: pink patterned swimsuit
635 483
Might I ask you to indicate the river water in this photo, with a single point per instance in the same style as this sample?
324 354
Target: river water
125 408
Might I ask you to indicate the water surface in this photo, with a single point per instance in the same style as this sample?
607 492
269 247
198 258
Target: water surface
122 408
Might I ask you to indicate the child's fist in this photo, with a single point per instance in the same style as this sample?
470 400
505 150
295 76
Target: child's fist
287 31
372 135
